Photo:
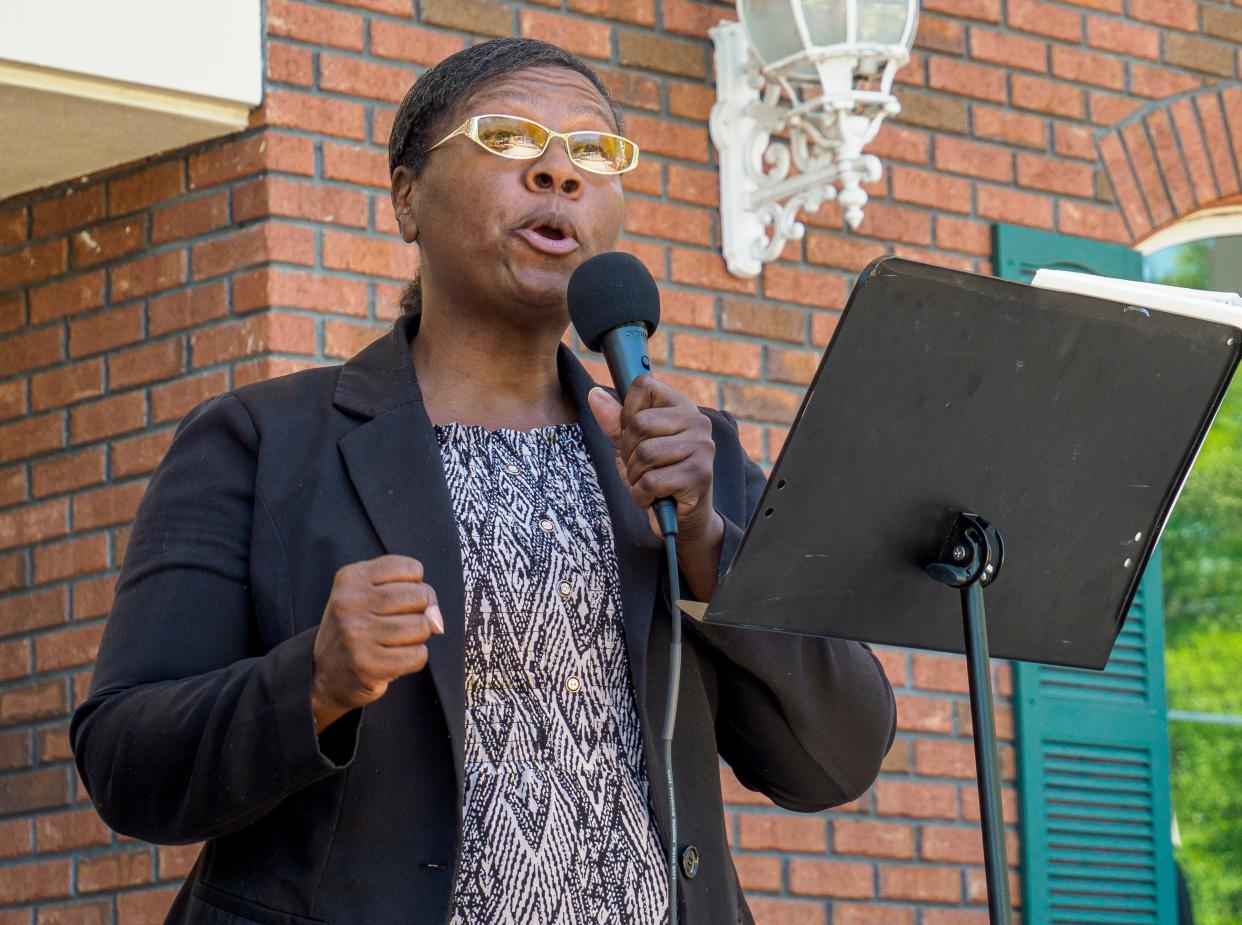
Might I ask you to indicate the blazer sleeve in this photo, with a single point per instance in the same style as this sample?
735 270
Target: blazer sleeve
194 727
803 720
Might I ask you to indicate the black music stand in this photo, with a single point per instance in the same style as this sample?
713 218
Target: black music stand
949 411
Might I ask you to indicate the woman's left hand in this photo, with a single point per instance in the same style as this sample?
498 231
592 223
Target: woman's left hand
665 450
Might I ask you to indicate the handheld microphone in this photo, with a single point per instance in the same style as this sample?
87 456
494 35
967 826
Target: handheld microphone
615 306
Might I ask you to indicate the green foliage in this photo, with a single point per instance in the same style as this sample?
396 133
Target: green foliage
1206 764
1202 561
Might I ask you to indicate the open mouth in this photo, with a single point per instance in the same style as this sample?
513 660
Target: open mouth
549 239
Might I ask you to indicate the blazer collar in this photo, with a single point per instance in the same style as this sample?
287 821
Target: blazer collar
381 375
394 462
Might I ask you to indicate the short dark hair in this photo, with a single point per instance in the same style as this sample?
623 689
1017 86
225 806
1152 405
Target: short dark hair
439 92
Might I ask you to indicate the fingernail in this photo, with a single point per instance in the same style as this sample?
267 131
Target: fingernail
433 614
591 394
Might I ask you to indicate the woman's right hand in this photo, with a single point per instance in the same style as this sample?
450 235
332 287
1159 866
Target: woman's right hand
375 628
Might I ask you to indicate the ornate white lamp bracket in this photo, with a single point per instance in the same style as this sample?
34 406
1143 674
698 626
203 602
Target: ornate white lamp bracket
784 149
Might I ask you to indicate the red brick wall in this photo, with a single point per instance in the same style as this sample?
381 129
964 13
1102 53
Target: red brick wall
126 298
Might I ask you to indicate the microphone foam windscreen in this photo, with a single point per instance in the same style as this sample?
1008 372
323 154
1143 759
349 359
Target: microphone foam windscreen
609 290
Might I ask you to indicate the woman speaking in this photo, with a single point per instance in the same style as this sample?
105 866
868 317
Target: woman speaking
390 636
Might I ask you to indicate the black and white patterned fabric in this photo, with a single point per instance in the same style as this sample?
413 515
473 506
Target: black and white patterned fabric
557 822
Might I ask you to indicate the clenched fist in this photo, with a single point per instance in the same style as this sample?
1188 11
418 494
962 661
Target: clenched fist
375 628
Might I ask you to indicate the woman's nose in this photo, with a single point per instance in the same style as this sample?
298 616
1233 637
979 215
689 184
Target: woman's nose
553 170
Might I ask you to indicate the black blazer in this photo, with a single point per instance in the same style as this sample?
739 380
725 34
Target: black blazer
198 725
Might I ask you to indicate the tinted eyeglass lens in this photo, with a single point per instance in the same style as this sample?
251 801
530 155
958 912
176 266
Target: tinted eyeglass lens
600 152
512 137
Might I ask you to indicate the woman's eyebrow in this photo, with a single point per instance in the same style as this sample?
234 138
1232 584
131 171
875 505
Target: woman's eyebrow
581 109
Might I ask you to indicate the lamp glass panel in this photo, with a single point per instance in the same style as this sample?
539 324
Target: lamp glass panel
882 21
825 20
771 28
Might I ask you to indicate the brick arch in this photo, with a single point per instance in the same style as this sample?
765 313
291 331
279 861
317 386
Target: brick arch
1175 157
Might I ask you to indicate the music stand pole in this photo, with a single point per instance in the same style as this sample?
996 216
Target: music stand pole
972 558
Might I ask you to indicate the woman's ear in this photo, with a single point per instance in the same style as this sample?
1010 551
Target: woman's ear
403 185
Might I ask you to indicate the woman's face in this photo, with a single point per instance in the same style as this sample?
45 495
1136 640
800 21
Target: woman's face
476 216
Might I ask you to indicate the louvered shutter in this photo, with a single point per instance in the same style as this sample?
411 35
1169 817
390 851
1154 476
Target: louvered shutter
1093 748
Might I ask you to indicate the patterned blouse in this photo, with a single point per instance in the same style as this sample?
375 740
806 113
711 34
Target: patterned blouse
557 823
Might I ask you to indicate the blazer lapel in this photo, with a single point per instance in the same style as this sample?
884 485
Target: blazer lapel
394 463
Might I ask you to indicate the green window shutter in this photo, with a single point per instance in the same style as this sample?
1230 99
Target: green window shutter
1018 252
1093 747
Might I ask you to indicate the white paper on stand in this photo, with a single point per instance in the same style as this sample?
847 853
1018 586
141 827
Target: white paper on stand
1220 307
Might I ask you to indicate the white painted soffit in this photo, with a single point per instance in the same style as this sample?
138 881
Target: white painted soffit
1219 222
87 85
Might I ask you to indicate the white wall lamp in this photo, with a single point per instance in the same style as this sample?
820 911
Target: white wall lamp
817 74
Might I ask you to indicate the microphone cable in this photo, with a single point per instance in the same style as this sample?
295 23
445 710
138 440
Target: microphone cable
670 714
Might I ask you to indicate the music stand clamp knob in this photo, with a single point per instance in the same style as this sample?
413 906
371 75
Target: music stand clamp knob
973 552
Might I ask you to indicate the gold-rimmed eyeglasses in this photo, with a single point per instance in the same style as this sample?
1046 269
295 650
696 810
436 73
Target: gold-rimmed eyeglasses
524 139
